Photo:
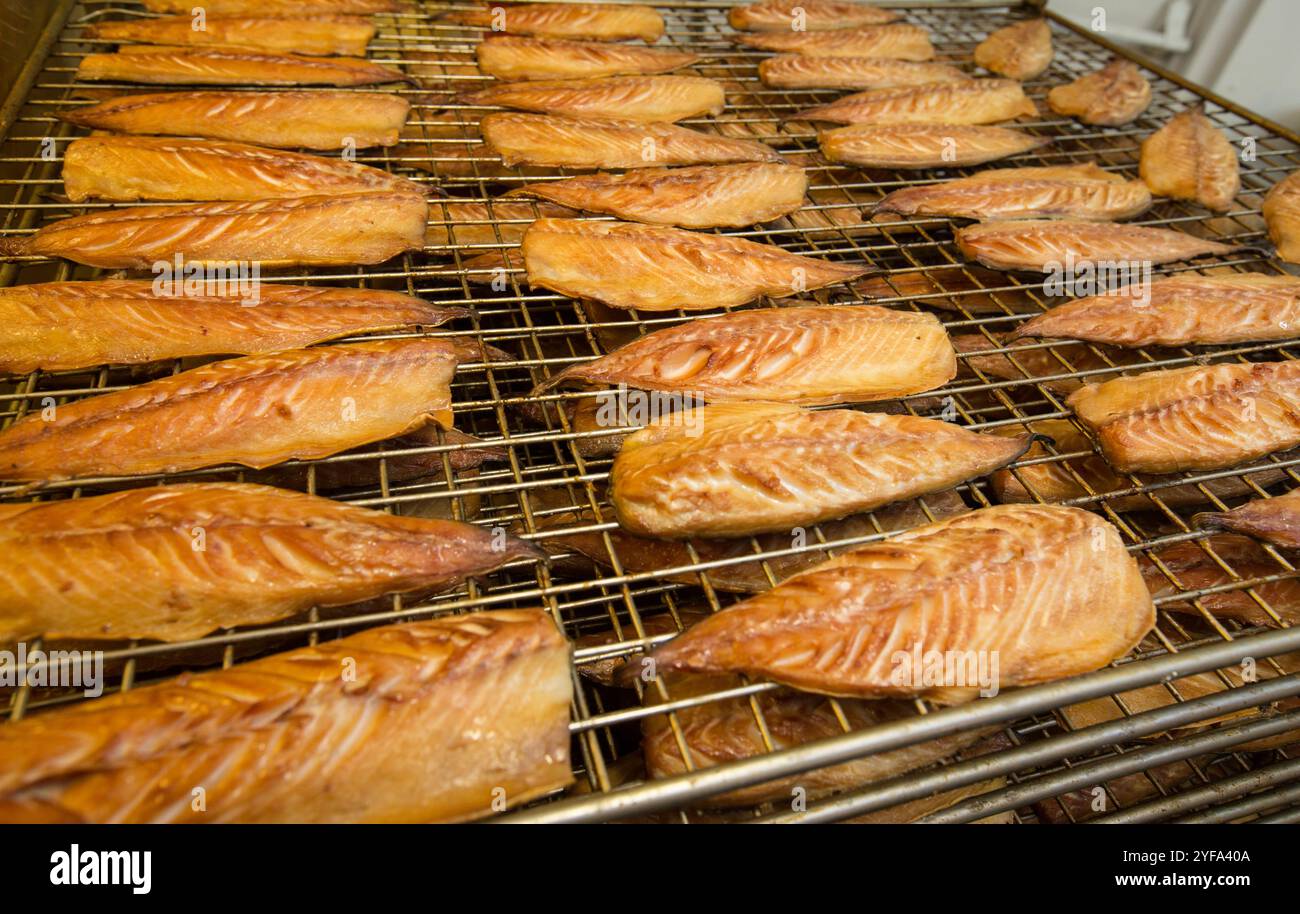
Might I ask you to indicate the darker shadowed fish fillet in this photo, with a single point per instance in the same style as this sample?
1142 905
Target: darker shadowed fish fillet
704 196
65 325
656 268
132 564
809 355
292 8
313 120
1022 50
188 66
970 101
1282 213
631 98
515 57
1273 520
896 41
310 34
1190 159
800 71
1110 97
760 468
1052 590
806 15
1055 368
1193 418
1046 245
462 225
1195 569
924 145
130 168
254 411
341 229
444 720
595 21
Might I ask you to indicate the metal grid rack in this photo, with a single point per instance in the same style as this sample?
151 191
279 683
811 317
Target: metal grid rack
1220 756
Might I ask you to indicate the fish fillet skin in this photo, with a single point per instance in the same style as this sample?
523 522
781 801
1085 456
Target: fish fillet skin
286 8
540 139
924 145
764 468
433 721
970 101
703 196
210 66
1082 192
1051 589
1273 520
1110 97
1022 50
896 41
630 98
804 354
254 411
806 15
1190 159
656 268
311 120
125 169
516 57
173 563
799 71
315 35
60 326
1047 245
342 229
589 21
1193 418
1194 569
1187 309
1282 213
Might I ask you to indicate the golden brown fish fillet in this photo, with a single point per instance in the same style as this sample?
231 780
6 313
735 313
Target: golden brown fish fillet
655 268
896 41
1113 95
1193 418
704 196
1190 159
64 325
341 229
173 563
254 411
1182 310
515 57
130 168
594 21
1282 213
1022 50
1050 245
185 66
749 468
440 720
630 98
303 34
1273 520
970 101
799 71
285 8
806 15
924 145
463 225
1194 569
313 120
809 355
1051 590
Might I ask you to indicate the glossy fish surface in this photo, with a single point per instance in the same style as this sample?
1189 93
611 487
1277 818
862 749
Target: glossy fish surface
800 71
1282 213
1273 520
210 66
316 35
1190 159
595 21
971 101
1022 50
896 41
516 57
809 15
442 717
632 98
924 145
1110 97
1044 245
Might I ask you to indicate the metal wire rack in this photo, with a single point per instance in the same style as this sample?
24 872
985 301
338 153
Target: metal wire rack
1159 750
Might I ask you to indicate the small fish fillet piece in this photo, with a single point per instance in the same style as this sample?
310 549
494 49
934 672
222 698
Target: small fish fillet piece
441 718
516 57
1044 245
467 224
1190 159
656 268
1194 569
287 8
60 326
312 120
254 411
703 196
315 35
1193 418
185 66
806 15
1282 213
342 229
130 168
808 355
799 71
1187 309
630 98
594 21
1022 50
1051 589
568 142
971 101
1056 191
896 41
122 566
1110 97
762 468
1273 520
924 145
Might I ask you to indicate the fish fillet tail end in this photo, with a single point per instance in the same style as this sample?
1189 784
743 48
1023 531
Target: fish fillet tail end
16 246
